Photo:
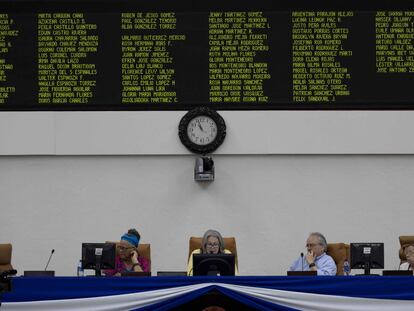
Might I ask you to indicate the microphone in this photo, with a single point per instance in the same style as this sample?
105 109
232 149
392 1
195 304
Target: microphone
50 257
301 256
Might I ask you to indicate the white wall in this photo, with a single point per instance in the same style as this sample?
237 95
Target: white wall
297 172
248 132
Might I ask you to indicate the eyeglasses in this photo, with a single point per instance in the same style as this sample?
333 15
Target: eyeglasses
311 245
212 245
123 248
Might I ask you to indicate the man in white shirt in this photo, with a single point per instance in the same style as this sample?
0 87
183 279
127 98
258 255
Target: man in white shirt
316 258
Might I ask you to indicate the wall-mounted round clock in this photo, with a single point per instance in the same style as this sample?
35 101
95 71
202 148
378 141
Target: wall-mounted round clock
202 130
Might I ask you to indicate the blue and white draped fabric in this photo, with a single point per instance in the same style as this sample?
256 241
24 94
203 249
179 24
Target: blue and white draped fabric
164 293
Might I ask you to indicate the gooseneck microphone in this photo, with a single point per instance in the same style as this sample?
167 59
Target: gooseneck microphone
50 257
301 256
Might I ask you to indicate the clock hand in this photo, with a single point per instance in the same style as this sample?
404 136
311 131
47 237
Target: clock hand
200 127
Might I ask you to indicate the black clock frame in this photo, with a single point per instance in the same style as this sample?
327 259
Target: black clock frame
197 112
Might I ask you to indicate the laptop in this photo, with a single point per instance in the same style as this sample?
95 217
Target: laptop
302 273
171 273
135 273
38 273
397 272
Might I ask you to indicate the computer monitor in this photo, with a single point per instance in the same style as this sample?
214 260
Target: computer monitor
213 264
98 256
367 256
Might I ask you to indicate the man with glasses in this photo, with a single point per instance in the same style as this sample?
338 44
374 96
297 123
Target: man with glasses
316 258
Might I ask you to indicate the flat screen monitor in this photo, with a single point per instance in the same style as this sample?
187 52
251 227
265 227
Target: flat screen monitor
98 256
367 256
213 264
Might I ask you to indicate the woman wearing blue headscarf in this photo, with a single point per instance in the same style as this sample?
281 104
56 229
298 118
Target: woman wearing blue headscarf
127 258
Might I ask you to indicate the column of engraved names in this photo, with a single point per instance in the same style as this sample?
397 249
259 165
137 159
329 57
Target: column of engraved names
65 42
317 49
7 34
148 72
394 48
237 43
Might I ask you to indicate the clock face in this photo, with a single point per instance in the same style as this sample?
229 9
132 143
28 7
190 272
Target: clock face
202 130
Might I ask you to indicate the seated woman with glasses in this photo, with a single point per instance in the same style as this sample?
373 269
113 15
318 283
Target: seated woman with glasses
127 258
212 243
409 254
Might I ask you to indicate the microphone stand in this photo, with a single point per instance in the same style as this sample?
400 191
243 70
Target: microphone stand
50 257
